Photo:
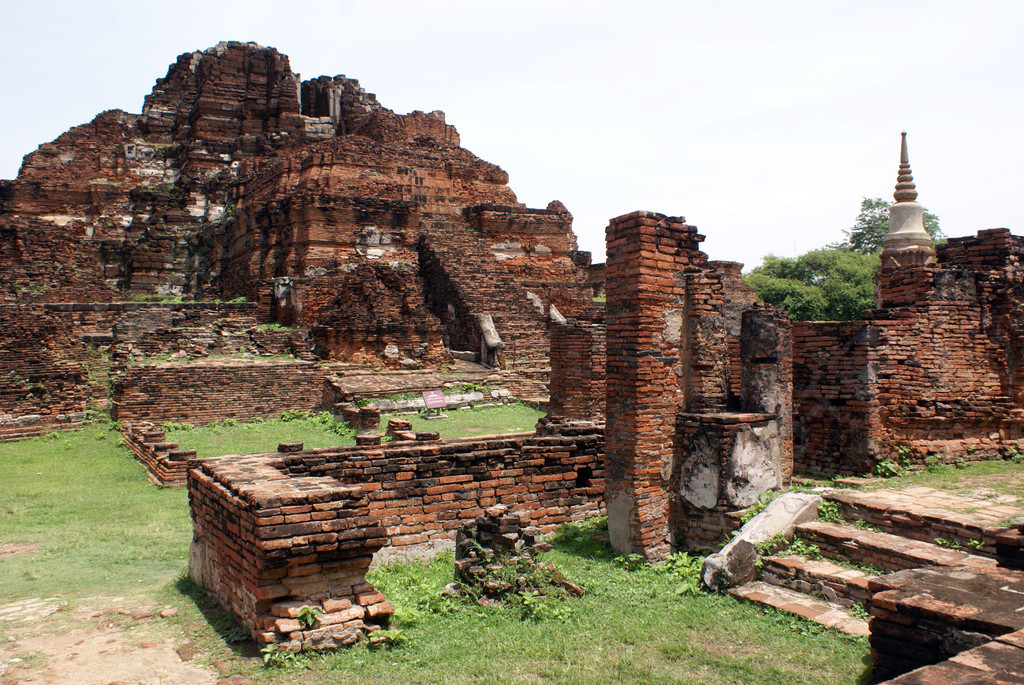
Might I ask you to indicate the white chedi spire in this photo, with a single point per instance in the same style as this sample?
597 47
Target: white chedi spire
906 216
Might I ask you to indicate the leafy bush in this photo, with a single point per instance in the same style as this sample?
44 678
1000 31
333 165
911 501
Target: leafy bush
886 468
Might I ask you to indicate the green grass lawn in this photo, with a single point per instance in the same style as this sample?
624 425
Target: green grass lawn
260 436
104 530
465 423
1005 477
102 527
316 430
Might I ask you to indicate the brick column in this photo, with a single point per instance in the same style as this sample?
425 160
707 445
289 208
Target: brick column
645 317
577 386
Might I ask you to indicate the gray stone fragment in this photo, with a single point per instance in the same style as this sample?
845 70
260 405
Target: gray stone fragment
735 564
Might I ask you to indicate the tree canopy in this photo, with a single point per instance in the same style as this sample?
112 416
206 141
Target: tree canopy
837 282
867 234
828 284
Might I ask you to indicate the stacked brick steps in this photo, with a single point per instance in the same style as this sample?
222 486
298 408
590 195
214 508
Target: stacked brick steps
838 584
917 523
484 286
884 551
822 590
820 611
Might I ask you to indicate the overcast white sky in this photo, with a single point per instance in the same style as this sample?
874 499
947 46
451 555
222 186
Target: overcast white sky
763 123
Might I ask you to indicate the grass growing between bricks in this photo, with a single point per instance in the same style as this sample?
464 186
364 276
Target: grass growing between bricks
104 531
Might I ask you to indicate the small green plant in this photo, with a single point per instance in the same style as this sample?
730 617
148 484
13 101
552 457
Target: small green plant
903 455
829 511
173 426
630 562
385 639
275 656
948 544
933 464
802 549
757 507
975 544
687 568
863 524
772 545
886 468
534 606
858 610
308 616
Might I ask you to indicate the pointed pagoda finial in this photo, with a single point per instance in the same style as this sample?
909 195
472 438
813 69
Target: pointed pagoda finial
906 191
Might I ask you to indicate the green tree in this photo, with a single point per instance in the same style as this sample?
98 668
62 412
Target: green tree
867 234
830 284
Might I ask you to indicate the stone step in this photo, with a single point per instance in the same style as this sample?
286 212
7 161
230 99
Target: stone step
915 515
884 551
820 611
837 584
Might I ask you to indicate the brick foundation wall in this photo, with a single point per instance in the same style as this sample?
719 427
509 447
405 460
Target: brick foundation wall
834 404
423 491
47 374
266 543
275 532
577 385
166 462
204 392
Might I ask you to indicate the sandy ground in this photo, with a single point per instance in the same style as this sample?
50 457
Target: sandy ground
107 643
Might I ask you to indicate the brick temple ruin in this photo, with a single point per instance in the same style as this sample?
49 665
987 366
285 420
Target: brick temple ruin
247 213
260 199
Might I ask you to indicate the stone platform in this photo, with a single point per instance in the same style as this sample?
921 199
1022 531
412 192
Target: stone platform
927 615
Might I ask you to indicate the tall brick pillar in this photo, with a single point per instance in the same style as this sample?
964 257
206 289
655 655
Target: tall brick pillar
646 321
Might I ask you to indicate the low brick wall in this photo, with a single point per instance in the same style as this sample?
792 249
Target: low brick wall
275 532
204 392
166 461
423 491
266 544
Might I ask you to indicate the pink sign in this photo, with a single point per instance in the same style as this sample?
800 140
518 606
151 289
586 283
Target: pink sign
434 399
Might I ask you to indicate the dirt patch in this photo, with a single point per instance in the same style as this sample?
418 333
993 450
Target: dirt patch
16 549
95 648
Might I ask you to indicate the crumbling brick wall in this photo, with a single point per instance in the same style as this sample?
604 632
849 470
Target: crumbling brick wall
378 315
166 462
208 391
46 371
835 404
423 491
931 373
277 532
266 544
